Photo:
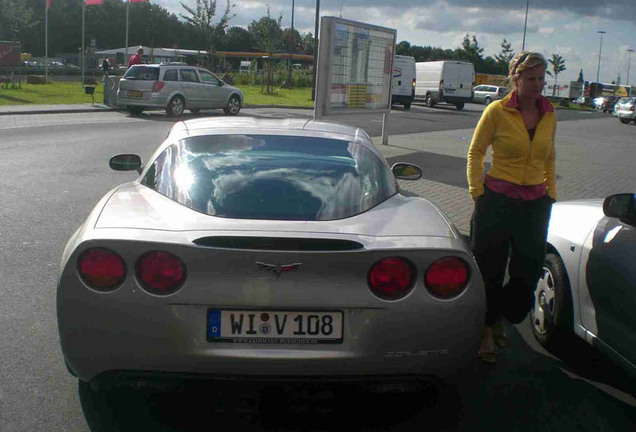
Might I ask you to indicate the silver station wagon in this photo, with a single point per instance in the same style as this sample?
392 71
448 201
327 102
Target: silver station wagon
488 93
176 88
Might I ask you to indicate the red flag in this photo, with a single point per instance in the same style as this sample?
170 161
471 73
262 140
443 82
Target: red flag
48 4
94 2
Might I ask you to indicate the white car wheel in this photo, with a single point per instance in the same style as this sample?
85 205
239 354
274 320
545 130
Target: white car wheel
543 310
551 316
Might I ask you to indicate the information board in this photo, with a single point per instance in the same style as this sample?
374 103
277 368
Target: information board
355 64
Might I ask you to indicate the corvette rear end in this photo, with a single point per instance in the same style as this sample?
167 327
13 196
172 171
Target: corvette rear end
267 255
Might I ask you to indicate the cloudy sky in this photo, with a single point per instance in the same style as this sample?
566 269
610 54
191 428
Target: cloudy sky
565 27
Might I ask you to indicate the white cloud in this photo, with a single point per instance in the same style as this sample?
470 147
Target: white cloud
565 27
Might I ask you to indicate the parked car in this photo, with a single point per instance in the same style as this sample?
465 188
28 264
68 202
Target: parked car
488 93
608 105
585 101
176 87
617 105
276 249
600 102
445 81
625 111
588 287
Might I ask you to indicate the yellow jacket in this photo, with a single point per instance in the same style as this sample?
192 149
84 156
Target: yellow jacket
514 157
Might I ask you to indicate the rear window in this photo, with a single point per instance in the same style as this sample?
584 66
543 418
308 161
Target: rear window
272 177
149 73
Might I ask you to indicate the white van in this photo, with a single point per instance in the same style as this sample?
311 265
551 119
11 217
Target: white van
245 66
403 83
445 81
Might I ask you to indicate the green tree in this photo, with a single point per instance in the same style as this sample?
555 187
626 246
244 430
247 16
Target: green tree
308 43
293 40
16 17
470 50
238 39
505 55
201 18
268 35
558 66
403 48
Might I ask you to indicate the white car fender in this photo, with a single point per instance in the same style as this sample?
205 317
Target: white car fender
571 226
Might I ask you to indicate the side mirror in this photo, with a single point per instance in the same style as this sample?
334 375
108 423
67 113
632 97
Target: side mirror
221 83
126 162
406 171
621 206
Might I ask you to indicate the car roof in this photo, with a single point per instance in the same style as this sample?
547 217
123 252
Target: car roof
269 126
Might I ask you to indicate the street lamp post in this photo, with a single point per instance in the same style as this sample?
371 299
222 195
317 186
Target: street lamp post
291 48
629 63
313 79
525 25
598 71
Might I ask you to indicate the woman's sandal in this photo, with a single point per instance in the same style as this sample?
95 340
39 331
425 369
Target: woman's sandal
487 356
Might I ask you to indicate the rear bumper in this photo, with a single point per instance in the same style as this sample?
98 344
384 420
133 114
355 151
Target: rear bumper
402 99
174 381
104 336
154 101
631 115
455 99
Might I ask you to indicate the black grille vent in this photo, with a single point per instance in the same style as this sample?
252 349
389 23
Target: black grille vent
278 243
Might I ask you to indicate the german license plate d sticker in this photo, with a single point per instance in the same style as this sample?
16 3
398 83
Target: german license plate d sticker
274 327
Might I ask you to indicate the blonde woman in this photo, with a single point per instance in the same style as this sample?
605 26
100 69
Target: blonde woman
514 199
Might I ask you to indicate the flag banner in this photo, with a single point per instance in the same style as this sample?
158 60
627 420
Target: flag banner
48 4
94 2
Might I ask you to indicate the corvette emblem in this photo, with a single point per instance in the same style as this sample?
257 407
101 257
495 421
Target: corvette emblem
277 270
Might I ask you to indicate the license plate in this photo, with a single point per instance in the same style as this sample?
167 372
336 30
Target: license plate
274 327
135 93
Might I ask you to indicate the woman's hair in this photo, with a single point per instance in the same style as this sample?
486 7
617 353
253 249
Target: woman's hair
522 61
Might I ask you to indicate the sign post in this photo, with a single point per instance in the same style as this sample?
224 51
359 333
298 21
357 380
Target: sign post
354 71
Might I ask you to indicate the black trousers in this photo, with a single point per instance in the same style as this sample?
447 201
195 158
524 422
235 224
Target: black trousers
505 228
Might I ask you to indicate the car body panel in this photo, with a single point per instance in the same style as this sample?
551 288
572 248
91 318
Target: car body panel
133 330
598 253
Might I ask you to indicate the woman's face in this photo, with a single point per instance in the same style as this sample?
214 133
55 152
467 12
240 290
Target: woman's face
530 82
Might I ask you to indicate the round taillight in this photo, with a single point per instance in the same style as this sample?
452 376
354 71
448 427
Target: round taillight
391 278
101 269
447 277
160 273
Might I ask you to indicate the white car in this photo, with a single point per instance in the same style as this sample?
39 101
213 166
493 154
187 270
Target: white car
625 111
588 287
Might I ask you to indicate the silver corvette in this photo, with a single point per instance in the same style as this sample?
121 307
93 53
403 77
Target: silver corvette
589 283
266 248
